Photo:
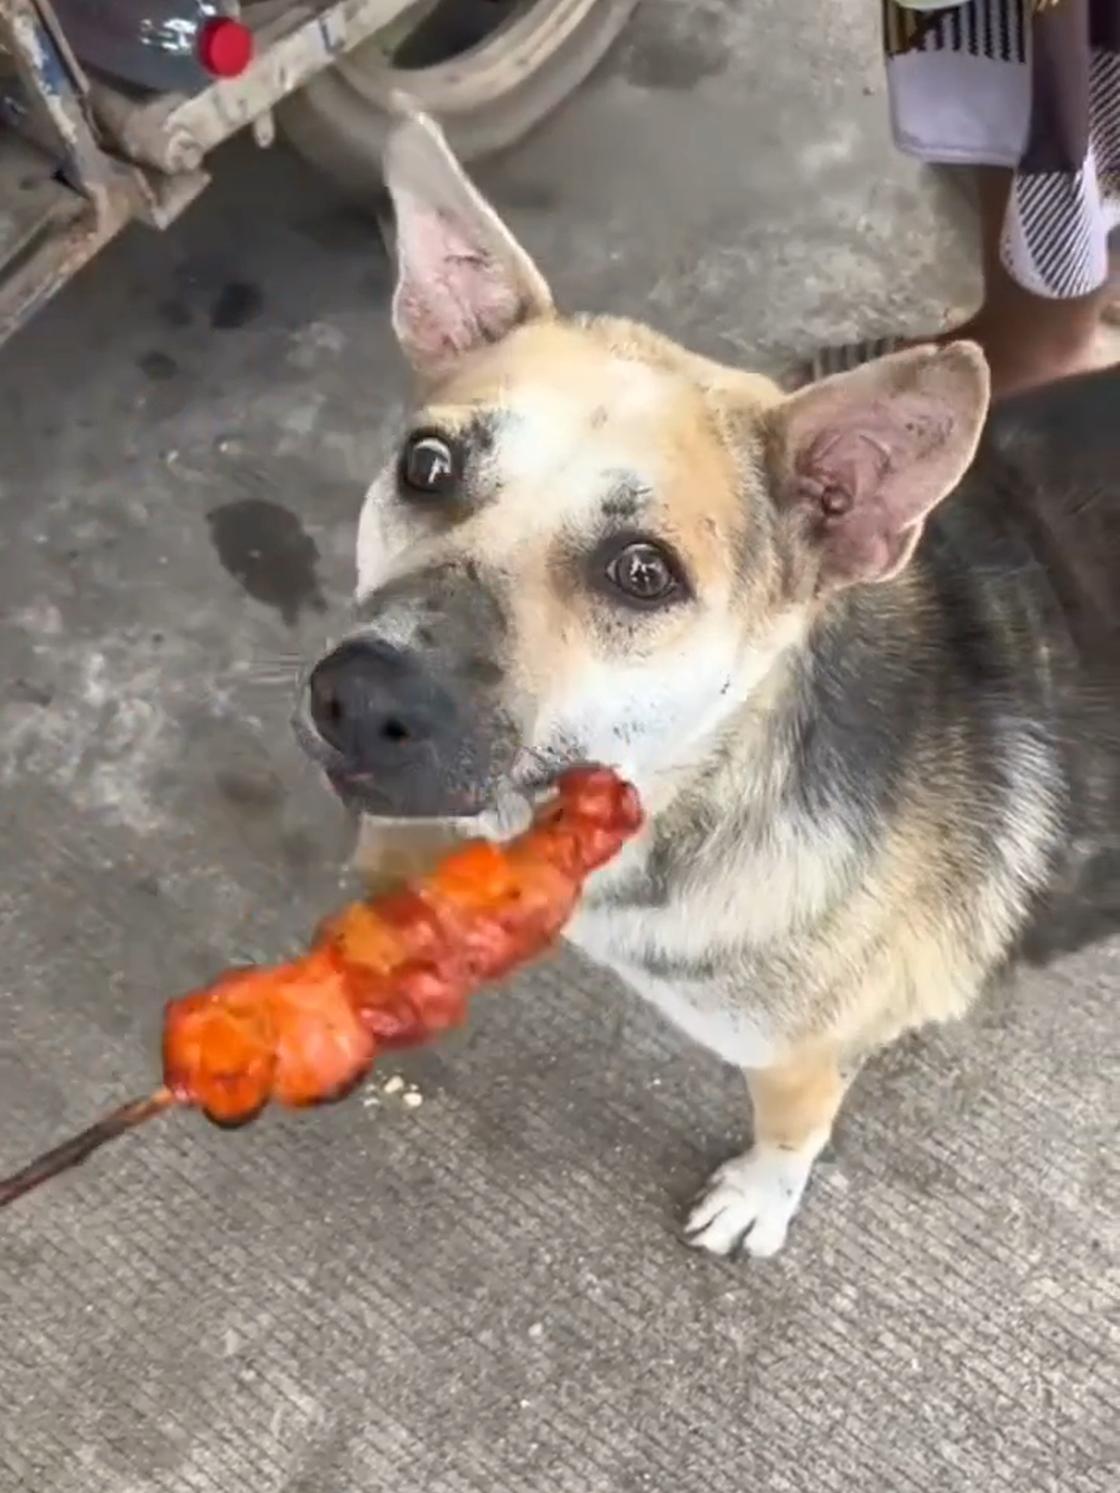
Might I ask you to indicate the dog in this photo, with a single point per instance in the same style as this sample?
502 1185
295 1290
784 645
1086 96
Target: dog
857 647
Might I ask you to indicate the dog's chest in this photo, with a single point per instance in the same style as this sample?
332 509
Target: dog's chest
659 953
667 949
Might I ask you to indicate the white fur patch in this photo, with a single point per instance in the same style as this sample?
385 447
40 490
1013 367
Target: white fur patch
732 1029
551 443
386 533
643 716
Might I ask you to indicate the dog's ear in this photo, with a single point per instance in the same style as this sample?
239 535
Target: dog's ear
862 458
462 278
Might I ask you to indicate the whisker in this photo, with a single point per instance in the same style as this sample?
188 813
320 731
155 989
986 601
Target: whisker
264 671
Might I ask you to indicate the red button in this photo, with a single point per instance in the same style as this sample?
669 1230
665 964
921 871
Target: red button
225 47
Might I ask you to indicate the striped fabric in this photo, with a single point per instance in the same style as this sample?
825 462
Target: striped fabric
1033 88
997 30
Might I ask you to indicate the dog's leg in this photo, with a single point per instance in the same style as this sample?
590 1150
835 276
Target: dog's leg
750 1200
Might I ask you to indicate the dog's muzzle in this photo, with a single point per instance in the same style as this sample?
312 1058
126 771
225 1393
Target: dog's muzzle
395 738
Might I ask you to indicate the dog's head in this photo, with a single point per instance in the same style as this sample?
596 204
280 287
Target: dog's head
589 542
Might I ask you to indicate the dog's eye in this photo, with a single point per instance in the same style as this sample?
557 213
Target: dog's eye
643 573
429 466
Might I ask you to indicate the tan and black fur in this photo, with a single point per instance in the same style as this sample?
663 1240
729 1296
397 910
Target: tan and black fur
871 719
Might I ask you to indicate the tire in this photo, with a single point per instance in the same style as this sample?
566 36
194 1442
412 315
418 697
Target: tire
486 97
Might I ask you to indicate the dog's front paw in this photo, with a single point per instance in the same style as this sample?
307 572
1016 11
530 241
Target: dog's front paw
749 1202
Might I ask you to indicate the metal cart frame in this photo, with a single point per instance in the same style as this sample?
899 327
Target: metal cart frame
79 160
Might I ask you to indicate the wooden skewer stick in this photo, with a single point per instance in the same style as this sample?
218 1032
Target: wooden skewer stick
75 1150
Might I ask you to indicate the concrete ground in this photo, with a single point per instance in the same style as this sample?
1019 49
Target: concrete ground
486 1291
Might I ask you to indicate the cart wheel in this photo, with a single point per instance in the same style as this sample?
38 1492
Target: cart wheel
488 70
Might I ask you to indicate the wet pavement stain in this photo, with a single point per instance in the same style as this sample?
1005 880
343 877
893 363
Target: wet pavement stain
158 366
30 692
266 549
253 792
236 303
679 59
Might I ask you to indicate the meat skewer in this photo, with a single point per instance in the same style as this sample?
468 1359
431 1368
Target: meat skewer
388 972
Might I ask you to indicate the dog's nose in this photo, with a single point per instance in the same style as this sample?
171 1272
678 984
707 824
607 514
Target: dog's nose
374 704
